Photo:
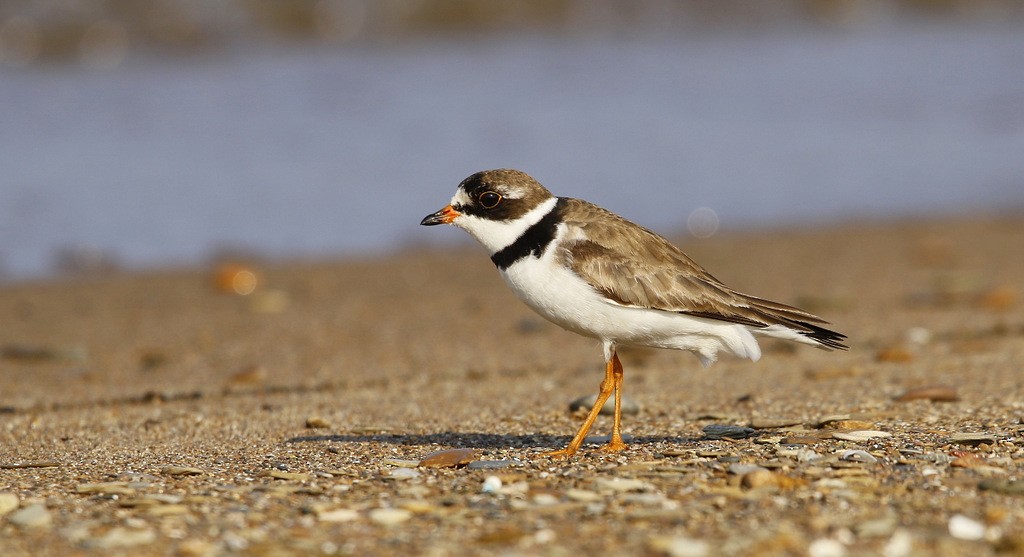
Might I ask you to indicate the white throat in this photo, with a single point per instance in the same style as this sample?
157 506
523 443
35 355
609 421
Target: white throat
495 235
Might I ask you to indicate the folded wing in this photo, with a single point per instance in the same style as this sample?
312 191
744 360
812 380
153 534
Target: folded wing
634 267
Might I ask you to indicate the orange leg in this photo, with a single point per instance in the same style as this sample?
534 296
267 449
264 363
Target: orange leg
616 444
612 382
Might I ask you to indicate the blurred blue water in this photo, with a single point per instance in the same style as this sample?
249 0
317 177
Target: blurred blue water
321 152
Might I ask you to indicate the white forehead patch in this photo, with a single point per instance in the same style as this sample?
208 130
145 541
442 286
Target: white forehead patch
460 197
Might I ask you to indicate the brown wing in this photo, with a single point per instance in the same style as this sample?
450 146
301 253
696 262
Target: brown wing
635 267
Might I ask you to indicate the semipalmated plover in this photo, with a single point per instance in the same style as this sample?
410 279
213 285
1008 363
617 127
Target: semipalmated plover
595 273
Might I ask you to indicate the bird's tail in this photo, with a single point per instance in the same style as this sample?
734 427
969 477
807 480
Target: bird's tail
790 323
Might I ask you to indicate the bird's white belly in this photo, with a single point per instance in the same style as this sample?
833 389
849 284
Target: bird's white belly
562 297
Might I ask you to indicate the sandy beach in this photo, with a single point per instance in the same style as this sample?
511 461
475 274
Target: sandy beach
160 413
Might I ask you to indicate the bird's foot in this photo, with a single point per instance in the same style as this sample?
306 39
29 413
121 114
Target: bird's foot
613 446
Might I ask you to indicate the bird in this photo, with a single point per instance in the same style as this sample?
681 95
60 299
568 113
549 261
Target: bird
592 272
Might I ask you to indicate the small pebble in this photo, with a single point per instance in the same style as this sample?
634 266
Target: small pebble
489 464
282 475
582 495
252 375
759 478
934 393
544 536
772 423
725 431
502 534
895 354
196 548
585 403
918 335
491 484
679 546
515 489
861 435
77 532
8 503
152 359
545 499
858 456
452 458
645 499
417 506
316 422
108 488
337 515
119 537
622 485
807 455
33 516
389 517
877 527
739 469
168 510
826 547
402 463
964 528
800 440
181 471
402 474
899 545
972 438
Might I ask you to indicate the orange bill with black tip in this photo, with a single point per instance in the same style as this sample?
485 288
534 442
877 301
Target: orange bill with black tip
444 216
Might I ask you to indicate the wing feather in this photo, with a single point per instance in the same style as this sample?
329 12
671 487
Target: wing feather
634 267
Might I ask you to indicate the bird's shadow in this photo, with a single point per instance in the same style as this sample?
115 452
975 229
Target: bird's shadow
481 440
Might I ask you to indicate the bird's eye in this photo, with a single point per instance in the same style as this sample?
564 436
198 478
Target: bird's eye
489 199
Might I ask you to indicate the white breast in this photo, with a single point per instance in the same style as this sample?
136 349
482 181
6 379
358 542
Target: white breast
559 295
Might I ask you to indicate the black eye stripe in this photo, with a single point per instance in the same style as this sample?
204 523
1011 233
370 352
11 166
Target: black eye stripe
507 208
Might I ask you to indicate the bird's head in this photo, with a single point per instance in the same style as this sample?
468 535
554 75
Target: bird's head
495 206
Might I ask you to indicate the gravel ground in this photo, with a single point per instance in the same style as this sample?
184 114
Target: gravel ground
162 414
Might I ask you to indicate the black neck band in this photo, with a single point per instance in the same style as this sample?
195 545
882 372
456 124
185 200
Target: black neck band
533 241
